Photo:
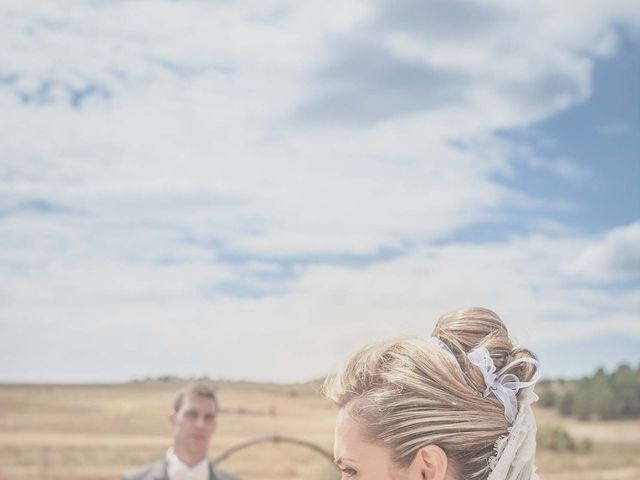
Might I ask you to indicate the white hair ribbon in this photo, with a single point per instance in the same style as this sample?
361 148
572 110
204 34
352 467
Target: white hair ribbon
503 385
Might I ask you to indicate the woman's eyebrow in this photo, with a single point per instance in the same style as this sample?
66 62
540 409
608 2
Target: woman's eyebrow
339 460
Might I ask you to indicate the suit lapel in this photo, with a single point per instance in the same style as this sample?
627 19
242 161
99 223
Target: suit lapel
212 473
160 471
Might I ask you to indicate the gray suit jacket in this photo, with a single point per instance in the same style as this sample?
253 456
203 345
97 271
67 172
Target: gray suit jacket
158 471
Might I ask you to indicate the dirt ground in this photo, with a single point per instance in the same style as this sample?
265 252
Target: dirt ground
97 432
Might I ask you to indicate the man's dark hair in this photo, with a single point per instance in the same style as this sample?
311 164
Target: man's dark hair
200 389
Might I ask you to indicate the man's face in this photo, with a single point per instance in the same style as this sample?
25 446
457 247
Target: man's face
193 425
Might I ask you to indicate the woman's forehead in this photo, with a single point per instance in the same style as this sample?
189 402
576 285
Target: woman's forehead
350 439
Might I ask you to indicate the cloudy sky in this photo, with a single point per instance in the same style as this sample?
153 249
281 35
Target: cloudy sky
254 189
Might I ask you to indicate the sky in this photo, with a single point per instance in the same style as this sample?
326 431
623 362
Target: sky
253 190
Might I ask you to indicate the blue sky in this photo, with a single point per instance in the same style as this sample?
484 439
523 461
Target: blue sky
600 137
207 188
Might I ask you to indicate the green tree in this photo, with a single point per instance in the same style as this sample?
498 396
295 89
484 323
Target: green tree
555 437
625 385
607 396
566 404
548 397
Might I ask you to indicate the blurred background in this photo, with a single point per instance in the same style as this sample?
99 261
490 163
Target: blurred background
248 191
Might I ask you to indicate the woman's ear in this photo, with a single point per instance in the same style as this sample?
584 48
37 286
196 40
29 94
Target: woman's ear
430 463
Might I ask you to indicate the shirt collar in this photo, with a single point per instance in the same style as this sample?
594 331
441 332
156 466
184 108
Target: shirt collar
199 471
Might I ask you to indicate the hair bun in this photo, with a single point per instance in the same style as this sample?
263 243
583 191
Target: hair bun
468 328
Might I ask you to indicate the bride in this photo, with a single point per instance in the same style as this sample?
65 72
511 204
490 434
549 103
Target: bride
454 407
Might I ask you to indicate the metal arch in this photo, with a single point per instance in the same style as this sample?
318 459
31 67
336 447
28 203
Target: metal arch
271 439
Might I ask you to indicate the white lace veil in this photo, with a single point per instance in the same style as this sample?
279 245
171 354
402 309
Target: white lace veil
516 452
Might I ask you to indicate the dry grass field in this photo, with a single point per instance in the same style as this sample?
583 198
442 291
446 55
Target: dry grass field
98 431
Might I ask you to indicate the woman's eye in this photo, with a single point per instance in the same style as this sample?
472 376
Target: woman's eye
348 472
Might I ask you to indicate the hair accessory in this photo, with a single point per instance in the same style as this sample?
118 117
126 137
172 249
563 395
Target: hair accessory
503 385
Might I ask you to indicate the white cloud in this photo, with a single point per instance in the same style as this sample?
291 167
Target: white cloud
528 280
616 256
198 149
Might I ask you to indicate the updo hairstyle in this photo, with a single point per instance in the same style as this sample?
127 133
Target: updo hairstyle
409 393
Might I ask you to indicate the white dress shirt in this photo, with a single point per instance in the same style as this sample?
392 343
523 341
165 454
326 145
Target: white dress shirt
178 470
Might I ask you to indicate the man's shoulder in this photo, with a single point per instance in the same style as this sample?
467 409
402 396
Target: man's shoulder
150 471
224 475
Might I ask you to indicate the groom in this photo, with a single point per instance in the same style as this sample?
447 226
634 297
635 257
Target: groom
193 421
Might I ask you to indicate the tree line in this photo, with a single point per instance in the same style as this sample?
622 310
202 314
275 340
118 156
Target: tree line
603 395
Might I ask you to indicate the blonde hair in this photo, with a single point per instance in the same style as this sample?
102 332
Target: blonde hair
200 389
409 393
